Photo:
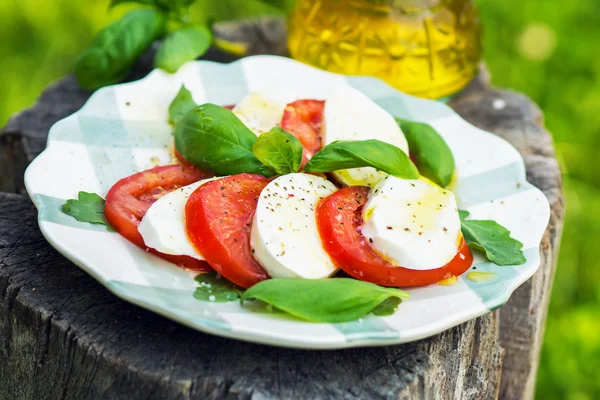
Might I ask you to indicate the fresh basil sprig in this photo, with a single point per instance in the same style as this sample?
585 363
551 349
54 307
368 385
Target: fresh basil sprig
181 105
181 46
325 300
214 288
432 155
88 207
116 47
279 150
214 139
492 239
345 154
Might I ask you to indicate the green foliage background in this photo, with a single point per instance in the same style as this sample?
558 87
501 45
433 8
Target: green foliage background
545 49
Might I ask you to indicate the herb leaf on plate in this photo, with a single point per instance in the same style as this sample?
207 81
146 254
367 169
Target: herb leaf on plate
493 240
116 47
214 139
433 156
279 150
181 105
215 288
181 46
345 154
324 300
388 307
89 207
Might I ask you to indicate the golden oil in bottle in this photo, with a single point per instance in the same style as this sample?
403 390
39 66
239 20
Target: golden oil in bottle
429 48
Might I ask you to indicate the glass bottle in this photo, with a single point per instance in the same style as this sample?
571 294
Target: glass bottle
429 48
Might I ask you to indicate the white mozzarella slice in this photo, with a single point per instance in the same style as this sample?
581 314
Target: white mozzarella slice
350 115
412 223
260 111
284 238
163 226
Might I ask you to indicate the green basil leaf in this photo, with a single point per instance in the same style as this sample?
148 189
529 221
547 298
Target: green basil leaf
493 240
432 155
463 214
116 47
279 150
181 46
89 207
214 139
323 300
181 105
214 288
345 154
388 307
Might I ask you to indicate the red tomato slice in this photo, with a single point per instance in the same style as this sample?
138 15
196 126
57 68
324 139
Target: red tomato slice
218 220
129 199
303 118
339 221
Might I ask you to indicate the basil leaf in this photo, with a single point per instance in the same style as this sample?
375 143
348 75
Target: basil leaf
279 150
462 214
116 47
181 105
214 288
345 154
388 307
214 139
89 207
322 300
492 239
432 155
181 46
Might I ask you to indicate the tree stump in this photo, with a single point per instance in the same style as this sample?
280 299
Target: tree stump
63 335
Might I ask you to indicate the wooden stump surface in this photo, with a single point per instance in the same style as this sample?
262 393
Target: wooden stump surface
64 336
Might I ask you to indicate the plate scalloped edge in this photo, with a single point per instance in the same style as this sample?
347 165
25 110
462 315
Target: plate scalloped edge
123 129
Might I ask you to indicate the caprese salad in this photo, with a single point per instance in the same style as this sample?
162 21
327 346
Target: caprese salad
274 195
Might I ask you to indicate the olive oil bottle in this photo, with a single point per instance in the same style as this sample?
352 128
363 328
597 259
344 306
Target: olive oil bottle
429 48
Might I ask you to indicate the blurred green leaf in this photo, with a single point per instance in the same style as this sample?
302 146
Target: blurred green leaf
181 46
116 47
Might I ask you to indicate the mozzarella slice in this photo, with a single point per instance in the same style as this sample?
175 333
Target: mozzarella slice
260 111
412 223
163 226
350 115
284 237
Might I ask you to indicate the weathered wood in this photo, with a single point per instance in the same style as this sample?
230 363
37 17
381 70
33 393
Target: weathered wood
62 335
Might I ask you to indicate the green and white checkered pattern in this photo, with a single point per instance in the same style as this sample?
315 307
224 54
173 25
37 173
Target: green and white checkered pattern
123 129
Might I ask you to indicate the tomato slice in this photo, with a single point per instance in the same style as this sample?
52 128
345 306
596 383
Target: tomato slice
303 119
218 221
129 199
339 219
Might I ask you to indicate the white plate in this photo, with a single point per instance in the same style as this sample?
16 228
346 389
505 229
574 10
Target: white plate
123 129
